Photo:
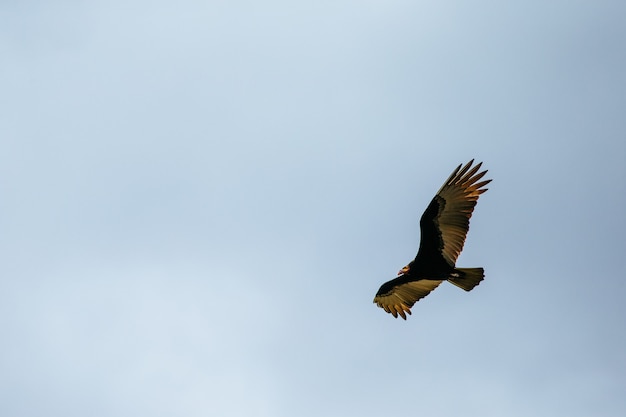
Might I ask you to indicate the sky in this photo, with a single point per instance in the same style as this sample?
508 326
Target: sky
199 200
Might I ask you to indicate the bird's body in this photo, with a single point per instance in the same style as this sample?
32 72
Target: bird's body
444 226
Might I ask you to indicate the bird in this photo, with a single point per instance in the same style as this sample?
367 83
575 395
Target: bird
444 226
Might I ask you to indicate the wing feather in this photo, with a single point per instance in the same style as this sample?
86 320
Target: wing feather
455 202
401 297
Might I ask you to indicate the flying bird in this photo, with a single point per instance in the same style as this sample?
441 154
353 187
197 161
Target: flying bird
443 226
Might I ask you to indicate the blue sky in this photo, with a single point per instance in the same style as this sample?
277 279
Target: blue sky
198 202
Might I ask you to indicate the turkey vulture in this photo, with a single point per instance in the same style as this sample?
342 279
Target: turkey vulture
444 226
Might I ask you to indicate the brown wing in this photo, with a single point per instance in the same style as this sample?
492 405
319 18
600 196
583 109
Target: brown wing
445 222
398 296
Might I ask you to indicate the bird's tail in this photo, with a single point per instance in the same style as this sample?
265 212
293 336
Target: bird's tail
468 278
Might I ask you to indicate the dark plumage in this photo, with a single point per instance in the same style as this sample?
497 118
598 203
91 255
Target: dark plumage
444 226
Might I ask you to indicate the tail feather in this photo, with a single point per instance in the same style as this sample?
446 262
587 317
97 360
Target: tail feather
468 278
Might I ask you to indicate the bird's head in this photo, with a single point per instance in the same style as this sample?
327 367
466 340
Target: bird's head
404 270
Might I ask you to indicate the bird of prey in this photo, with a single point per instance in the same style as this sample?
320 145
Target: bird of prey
443 226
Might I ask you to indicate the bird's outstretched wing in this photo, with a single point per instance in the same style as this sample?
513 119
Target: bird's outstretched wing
445 222
398 295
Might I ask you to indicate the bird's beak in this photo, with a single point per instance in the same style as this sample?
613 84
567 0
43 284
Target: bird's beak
403 270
